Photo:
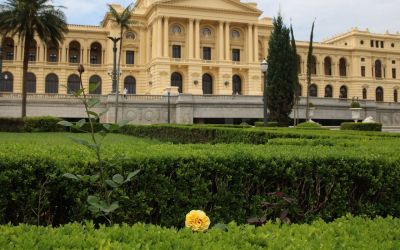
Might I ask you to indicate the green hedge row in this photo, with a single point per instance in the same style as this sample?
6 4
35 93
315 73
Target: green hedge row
31 124
345 233
229 182
361 126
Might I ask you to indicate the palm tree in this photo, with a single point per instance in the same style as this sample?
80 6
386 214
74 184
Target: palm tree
123 20
27 18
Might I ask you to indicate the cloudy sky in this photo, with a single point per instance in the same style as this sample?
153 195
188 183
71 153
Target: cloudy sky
333 16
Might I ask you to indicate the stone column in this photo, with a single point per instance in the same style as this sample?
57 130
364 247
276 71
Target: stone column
221 41
227 42
255 40
197 39
166 37
190 40
148 44
159 37
154 41
250 43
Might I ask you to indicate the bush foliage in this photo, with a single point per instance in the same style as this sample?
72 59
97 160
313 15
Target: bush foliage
361 126
31 124
326 178
345 233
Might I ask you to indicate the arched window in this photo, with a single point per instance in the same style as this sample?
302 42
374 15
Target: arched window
6 82
299 90
73 84
52 52
176 81
379 94
364 93
206 32
298 64
95 85
313 65
130 35
378 69
395 95
343 92
130 85
8 49
313 90
236 85
95 53
51 85
74 52
30 83
176 29
343 67
207 83
328 91
235 34
328 66
33 51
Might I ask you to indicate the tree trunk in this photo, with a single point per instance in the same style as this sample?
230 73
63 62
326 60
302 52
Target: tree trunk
27 46
118 75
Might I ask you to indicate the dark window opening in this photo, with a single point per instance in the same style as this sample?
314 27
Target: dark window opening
236 55
176 51
206 53
130 57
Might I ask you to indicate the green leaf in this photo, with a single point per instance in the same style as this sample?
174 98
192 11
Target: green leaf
80 141
93 200
107 126
114 206
221 226
119 179
92 102
65 124
93 87
92 113
123 123
131 175
112 184
104 112
71 176
81 123
94 178
78 93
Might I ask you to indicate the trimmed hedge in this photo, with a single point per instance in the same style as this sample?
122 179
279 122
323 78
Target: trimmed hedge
345 233
229 182
361 126
269 124
310 125
43 124
11 125
31 124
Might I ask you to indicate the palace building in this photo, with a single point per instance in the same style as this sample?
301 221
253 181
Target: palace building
208 47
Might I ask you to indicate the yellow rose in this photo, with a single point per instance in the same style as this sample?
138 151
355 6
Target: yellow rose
197 220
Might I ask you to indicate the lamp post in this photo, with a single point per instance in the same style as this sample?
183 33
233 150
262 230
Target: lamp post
264 69
115 88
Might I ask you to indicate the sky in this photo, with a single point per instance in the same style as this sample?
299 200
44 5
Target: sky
332 16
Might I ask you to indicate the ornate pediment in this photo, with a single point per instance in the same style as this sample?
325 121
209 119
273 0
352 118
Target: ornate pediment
223 5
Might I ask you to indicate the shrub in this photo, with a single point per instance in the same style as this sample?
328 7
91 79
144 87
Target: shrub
309 125
361 126
11 125
345 233
42 124
228 182
269 124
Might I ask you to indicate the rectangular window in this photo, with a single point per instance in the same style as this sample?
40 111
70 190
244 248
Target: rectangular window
377 44
236 55
362 59
394 74
372 43
382 44
206 53
130 57
176 51
363 71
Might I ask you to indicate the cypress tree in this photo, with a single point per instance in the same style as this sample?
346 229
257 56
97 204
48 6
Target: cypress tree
295 75
309 68
281 68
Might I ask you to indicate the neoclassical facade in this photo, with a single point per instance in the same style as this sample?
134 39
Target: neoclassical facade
211 47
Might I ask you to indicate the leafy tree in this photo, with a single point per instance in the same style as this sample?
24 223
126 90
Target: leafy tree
27 18
309 69
123 20
281 88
